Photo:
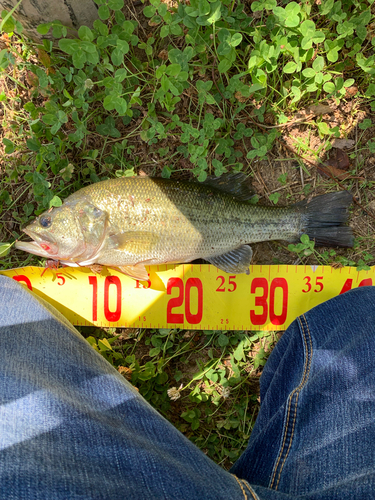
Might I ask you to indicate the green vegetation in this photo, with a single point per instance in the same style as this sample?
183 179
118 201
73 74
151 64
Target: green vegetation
209 378
189 90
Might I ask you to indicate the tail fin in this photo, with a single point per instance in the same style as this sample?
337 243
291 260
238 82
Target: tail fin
325 219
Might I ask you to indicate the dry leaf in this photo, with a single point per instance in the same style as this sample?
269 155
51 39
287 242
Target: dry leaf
269 119
32 79
336 172
44 58
337 265
351 91
96 268
125 372
5 39
240 97
336 165
343 143
319 109
339 159
163 54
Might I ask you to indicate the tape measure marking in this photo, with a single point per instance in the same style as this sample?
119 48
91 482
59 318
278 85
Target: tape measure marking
190 296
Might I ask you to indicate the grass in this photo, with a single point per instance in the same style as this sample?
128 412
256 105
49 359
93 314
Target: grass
206 383
186 90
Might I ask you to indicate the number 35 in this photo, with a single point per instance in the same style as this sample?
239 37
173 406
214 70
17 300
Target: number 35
318 284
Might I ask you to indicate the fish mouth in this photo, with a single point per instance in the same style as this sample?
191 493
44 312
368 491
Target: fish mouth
42 245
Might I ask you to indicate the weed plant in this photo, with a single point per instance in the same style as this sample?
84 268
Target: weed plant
206 383
187 90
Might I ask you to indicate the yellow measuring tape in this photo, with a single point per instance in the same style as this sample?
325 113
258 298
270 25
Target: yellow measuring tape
190 296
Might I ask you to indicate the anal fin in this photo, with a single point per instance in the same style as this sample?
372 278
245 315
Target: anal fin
235 261
137 272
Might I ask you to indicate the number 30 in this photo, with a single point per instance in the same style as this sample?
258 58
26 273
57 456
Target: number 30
262 301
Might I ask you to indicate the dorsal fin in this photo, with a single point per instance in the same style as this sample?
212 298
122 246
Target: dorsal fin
236 184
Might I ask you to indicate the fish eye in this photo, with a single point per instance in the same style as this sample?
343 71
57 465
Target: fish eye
45 221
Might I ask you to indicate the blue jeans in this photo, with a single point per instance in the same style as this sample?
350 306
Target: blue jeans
71 427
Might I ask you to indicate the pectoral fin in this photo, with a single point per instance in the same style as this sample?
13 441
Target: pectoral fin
236 261
137 272
134 241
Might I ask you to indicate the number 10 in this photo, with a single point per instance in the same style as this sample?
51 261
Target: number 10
109 315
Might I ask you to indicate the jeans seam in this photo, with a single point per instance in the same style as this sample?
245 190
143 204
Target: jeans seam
293 400
243 483
251 491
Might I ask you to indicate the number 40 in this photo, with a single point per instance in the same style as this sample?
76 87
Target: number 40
349 283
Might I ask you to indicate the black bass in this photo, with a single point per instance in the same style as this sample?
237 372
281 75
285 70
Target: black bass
128 223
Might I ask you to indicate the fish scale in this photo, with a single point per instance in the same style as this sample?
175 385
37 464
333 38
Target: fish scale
192 220
132 222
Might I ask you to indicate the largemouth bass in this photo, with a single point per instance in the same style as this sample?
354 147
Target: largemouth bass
128 223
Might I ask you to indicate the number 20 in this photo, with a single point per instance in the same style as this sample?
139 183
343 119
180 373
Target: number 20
191 318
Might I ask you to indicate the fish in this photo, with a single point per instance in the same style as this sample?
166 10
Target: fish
128 223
